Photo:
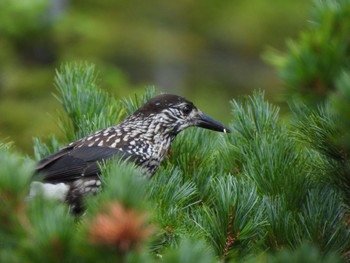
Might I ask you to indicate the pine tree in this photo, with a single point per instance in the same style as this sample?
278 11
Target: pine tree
273 190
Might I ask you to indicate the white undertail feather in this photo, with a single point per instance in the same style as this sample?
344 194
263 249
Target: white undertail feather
50 191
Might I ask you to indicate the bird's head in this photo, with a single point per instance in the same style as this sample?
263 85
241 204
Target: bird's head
177 113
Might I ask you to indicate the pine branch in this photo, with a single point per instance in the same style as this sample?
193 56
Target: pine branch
42 149
323 131
173 200
232 234
322 221
313 63
15 174
190 250
5 146
264 152
50 233
318 128
88 108
254 116
122 181
303 253
339 102
230 239
282 222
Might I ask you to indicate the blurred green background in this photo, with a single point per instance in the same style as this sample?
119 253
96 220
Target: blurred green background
207 51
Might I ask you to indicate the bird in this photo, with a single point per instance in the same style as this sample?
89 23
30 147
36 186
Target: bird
143 138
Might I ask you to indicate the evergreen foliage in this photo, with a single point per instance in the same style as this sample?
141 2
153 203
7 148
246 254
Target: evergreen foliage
83 102
313 63
270 191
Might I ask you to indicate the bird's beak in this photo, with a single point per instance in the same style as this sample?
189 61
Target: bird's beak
204 121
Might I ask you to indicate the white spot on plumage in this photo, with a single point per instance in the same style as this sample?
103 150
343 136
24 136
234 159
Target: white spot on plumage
106 132
156 129
115 143
87 183
110 137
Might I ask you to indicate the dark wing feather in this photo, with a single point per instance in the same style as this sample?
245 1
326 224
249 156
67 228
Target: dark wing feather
72 163
49 159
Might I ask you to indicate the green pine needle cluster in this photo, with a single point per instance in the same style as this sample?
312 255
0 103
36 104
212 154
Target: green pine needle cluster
83 102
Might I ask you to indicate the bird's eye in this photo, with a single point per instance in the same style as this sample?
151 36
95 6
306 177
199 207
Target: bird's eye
186 109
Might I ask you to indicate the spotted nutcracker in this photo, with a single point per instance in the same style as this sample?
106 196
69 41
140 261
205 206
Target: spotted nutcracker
144 138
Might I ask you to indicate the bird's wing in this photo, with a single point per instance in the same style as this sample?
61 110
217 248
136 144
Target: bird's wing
51 158
71 163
